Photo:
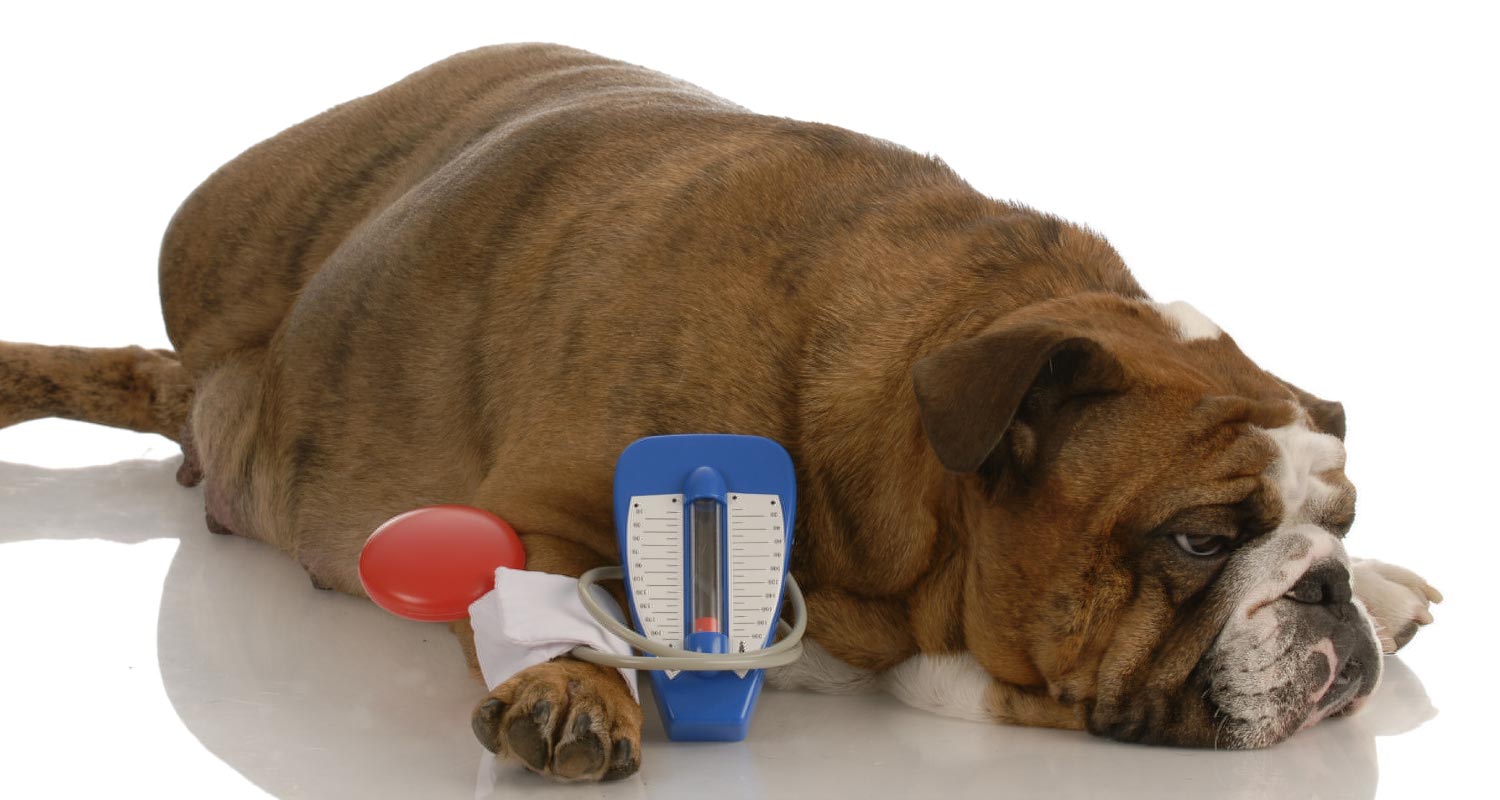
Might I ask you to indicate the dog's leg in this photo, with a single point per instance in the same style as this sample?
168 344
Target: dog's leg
1397 599
566 718
124 387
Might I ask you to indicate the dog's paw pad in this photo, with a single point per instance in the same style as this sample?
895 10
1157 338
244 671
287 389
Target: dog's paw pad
624 760
1397 599
528 736
486 722
582 751
565 719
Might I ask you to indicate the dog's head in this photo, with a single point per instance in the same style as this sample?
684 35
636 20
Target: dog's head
1154 523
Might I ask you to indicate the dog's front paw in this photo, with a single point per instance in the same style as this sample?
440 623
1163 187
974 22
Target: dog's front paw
568 719
1396 598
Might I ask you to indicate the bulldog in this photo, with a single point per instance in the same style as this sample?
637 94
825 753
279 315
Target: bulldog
1029 493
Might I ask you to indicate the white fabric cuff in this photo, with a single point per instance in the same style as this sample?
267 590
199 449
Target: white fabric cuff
531 618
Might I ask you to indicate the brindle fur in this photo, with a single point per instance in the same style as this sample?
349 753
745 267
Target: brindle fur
479 284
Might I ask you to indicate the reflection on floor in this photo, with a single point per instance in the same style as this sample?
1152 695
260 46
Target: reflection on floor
304 693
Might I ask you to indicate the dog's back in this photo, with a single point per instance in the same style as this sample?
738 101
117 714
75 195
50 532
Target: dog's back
479 284
256 231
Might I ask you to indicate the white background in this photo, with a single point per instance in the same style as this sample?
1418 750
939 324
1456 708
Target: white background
1320 179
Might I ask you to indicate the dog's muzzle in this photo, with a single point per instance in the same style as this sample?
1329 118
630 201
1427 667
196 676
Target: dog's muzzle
1287 660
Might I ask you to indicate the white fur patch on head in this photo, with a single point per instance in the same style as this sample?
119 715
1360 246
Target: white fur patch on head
1304 455
1190 322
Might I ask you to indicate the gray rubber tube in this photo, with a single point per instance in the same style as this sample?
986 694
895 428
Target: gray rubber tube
783 652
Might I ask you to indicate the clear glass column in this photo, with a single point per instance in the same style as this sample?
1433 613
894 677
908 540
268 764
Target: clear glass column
708 597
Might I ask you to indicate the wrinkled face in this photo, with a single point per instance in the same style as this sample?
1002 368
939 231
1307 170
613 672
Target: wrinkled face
1241 627
1297 645
1157 530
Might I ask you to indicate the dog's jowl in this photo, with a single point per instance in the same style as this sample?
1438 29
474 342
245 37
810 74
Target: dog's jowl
1029 493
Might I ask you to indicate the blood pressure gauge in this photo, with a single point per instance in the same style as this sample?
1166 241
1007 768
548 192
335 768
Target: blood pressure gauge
704 523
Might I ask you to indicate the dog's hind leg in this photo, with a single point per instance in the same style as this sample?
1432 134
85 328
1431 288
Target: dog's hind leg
123 387
235 451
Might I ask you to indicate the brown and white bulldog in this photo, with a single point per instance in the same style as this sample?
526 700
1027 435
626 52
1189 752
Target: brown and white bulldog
1029 493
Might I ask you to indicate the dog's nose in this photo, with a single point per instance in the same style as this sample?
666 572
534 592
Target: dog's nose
1326 583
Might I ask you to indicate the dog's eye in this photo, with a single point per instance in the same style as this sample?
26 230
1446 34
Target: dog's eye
1201 544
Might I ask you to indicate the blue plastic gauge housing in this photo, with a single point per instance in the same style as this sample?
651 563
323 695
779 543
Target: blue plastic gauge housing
705 533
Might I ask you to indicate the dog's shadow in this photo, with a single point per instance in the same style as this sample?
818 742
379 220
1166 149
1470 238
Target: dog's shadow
310 693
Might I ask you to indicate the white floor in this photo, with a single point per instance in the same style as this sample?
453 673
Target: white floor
1316 178
144 656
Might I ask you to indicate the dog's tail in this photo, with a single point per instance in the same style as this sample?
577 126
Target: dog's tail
124 387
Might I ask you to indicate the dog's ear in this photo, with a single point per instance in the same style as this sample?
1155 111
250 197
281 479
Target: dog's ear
1328 415
1012 378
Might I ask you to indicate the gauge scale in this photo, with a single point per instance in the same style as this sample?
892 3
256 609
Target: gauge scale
705 534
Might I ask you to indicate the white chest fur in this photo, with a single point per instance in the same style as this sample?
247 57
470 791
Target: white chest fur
953 685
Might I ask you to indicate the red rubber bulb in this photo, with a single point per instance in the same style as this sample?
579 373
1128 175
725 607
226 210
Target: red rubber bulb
432 563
